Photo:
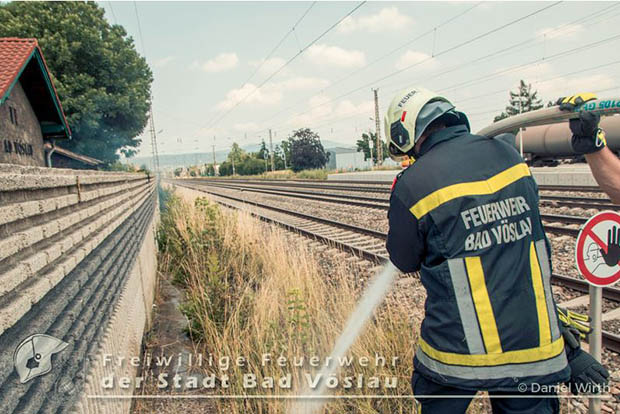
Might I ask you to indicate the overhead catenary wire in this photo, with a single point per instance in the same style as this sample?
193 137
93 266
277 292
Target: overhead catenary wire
527 41
135 6
113 14
522 65
288 62
385 55
514 47
269 55
448 50
598 66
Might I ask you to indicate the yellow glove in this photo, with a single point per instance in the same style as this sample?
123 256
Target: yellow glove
576 321
571 102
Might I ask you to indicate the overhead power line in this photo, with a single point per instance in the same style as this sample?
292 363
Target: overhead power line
112 10
380 58
288 62
450 49
269 55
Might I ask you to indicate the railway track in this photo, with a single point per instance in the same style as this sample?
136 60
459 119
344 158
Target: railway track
375 203
366 243
379 186
384 188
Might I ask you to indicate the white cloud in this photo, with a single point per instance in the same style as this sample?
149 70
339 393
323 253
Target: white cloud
336 56
271 93
387 19
323 111
565 31
411 57
568 86
222 62
160 63
269 66
250 94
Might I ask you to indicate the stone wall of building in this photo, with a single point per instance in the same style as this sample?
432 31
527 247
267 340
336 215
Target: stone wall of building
20 143
77 263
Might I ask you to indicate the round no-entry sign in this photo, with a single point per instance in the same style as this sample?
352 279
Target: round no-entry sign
597 251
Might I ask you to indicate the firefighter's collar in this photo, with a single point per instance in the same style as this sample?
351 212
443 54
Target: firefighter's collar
441 136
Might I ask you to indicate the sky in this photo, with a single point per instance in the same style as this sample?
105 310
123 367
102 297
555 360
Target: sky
213 84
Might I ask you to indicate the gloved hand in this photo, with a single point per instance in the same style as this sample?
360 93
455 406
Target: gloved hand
587 374
571 102
587 136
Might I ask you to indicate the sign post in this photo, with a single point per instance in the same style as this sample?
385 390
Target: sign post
596 339
597 254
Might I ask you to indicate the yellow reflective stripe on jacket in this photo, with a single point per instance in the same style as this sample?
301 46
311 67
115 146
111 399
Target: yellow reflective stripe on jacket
482 303
509 357
483 187
544 329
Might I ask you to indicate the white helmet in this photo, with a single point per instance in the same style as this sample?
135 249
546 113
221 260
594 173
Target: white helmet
407 118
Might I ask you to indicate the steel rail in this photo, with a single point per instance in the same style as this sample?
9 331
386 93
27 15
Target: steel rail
332 198
253 185
611 341
379 186
612 293
584 188
362 230
383 189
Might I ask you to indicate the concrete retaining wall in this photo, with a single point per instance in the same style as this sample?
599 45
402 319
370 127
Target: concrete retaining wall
77 262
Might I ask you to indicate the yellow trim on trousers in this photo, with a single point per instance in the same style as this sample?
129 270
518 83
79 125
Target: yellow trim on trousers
483 187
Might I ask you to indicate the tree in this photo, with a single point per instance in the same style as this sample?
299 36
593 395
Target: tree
210 170
363 145
236 154
226 168
251 166
306 149
102 82
523 100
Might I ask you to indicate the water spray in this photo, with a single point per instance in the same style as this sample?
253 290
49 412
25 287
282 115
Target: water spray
373 296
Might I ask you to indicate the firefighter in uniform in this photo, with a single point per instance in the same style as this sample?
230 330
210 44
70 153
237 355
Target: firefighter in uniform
465 214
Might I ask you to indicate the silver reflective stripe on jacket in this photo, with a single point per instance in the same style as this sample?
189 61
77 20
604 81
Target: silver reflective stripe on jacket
543 259
465 305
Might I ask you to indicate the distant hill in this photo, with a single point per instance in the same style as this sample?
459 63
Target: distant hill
187 159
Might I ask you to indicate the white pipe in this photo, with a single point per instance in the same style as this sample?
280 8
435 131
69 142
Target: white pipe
551 115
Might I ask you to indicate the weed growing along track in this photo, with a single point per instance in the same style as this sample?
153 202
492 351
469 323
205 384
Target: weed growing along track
251 292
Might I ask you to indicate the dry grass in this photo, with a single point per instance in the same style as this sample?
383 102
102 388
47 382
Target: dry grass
251 291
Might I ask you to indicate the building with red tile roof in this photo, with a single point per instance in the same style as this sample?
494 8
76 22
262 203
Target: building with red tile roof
30 111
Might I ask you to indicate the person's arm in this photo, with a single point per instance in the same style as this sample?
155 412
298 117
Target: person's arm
605 167
588 139
405 244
